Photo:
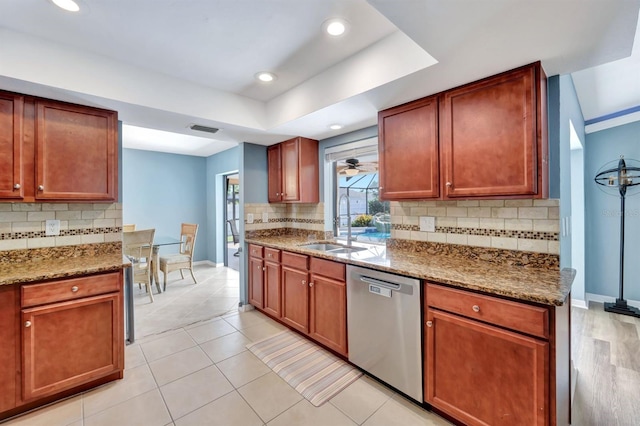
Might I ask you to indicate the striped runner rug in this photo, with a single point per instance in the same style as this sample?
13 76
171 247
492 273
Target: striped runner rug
315 373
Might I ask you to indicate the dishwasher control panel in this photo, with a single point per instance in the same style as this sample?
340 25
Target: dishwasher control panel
379 290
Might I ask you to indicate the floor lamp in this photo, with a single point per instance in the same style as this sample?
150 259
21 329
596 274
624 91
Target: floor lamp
620 178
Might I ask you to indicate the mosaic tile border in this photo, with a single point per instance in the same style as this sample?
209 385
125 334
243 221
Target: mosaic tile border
527 235
63 233
285 220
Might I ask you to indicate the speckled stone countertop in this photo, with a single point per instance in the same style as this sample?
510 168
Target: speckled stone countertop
26 266
545 285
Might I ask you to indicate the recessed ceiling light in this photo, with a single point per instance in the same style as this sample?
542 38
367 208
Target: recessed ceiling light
335 27
68 5
335 126
266 77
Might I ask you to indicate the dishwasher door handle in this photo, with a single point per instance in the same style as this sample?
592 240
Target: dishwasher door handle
384 284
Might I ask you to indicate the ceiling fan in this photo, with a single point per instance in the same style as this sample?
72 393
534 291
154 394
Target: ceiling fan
352 167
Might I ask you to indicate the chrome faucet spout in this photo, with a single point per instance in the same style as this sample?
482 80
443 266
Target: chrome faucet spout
346 197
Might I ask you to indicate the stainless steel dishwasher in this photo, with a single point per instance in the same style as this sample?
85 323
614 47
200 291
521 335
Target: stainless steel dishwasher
384 332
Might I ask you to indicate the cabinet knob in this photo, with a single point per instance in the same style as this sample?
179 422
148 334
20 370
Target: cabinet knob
304 282
476 308
269 255
277 194
311 284
16 186
429 323
40 187
448 184
264 268
74 289
380 189
27 324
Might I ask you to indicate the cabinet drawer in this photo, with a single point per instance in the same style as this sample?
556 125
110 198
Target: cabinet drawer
328 268
75 288
293 260
255 251
272 255
527 319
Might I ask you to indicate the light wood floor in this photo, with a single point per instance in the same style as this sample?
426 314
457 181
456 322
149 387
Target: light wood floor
606 353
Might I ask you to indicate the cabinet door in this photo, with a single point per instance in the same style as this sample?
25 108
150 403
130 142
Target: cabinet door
272 294
489 137
70 343
11 182
408 151
256 288
328 312
76 150
274 174
295 299
9 315
290 170
483 375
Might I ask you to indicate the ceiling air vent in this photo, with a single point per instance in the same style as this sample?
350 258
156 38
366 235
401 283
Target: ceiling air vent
203 128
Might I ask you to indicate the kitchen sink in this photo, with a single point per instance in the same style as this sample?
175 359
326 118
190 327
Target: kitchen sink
333 248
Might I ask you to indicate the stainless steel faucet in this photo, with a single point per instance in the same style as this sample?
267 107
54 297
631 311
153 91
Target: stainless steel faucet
345 196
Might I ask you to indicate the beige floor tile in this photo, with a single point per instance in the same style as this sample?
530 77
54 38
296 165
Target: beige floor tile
262 330
195 390
59 414
243 368
303 413
167 345
147 409
210 330
397 411
136 381
133 356
362 398
229 410
269 395
178 365
226 346
242 320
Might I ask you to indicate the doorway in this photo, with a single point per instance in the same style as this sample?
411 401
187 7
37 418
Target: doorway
231 218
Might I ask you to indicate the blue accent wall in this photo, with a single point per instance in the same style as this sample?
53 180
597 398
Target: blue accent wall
162 191
602 215
218 165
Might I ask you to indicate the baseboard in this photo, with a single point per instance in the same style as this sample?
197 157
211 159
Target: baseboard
591 297
205 262
579 303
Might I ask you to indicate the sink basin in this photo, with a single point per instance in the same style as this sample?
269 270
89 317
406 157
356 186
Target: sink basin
333 248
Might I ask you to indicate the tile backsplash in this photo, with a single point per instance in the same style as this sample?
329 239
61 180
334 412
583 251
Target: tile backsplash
22 225
523 225
297 216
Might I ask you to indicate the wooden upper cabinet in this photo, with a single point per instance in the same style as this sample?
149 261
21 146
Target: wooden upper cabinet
274 173
11 134
76 152
491 136
293 177
408 151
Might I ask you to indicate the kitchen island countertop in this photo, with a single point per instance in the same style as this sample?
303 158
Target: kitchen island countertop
548 286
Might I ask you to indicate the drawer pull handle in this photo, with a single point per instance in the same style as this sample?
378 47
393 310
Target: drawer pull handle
476 308
74 289
27 324
429 323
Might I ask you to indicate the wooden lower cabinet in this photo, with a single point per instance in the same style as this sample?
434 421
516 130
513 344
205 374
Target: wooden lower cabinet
295 298
70 343
484 375
9 313
328 312
272 294
256 282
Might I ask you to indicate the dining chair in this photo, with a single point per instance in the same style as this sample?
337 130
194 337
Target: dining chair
128 228
138 246
234 234
184 259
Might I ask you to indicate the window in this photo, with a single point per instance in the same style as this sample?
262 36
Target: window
355 172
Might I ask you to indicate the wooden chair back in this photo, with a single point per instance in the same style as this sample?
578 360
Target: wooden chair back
188 233
234 231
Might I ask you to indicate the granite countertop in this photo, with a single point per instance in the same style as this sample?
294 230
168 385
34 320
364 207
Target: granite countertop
28 269
549 286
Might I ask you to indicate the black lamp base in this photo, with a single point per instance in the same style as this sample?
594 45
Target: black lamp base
621 307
